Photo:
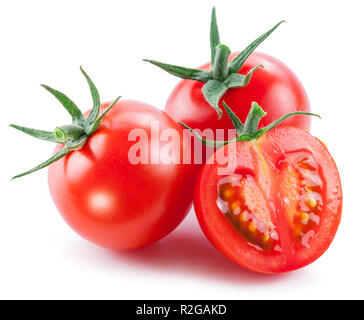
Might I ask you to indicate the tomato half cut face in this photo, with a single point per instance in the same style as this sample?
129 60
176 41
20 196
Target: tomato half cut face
279 206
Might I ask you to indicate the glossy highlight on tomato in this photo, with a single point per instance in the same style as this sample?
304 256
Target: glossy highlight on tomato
278 208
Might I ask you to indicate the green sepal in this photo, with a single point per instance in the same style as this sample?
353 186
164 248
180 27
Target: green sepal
248 76
288 115
210 143
182 72
77 144
70 106
238 61
60 154
39 134
239 126
218 144
214 35
248 136
95 99
237 80
91 129
247 131
213 90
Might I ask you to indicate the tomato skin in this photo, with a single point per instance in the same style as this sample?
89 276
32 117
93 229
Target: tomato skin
272 147
275 87
116 204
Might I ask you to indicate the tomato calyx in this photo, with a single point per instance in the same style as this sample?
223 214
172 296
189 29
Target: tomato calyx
223 75
72 136
249 130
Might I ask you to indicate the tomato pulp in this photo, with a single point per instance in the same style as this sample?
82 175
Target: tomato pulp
115 203
278 207
275 87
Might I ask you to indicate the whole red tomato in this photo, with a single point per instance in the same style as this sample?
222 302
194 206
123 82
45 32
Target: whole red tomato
119 178
238 79
270 201
112 202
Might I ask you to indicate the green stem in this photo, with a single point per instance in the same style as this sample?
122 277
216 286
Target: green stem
220 68
68 133
253 118
59 155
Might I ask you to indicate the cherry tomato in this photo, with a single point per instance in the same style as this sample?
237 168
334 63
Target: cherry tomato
275 87
117 204
279 206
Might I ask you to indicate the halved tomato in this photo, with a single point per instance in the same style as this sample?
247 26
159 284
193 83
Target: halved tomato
271 204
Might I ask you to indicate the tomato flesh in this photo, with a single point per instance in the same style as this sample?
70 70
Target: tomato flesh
243 204
302 189
278 208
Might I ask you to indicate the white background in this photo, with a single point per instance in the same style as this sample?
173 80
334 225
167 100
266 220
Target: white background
46 41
